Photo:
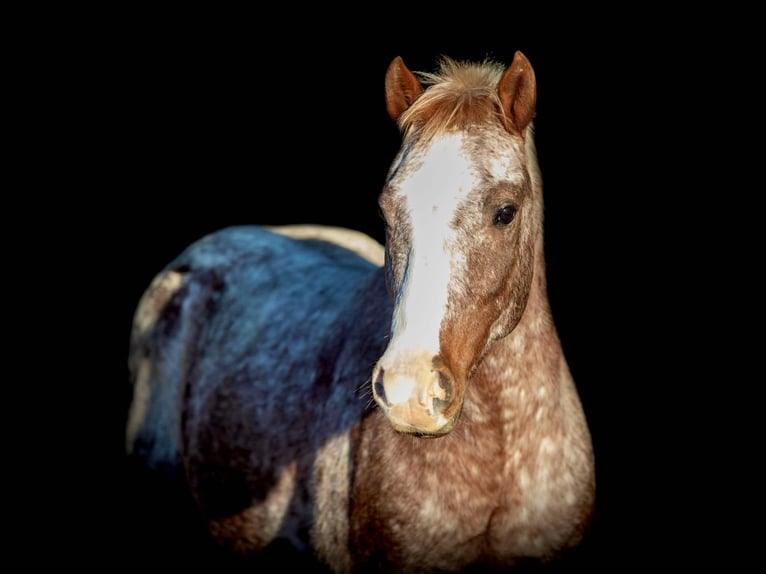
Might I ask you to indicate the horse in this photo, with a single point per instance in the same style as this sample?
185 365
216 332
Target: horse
348 406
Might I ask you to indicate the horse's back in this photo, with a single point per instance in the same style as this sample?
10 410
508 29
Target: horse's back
239 348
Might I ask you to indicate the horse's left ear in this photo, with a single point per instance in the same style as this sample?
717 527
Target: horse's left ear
518 93
402 88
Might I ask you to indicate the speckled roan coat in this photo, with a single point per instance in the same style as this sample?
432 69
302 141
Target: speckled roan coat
254 356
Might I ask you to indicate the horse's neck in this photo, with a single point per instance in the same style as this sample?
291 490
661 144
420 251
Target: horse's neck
526 368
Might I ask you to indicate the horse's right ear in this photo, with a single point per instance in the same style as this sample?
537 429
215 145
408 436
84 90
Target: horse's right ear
402 88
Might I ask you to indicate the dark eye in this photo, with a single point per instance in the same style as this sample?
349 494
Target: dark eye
504 215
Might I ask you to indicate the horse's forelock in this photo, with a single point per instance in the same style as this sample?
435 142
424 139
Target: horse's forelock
458 95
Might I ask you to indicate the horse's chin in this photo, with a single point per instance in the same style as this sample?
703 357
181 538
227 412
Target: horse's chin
431 427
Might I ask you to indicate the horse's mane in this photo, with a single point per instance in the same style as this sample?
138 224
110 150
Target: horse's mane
459 94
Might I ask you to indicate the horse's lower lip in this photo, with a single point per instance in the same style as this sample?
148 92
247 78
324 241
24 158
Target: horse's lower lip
423 431
419 434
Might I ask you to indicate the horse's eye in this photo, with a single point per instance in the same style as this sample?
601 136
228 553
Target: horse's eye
504 215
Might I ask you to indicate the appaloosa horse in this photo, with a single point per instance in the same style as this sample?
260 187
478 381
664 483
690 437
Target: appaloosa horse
398 410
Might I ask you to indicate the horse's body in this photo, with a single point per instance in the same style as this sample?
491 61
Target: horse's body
417 415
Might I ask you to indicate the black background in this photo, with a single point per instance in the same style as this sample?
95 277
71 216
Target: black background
224 119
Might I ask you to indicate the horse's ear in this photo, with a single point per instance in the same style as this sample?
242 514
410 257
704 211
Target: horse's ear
518 93
402 88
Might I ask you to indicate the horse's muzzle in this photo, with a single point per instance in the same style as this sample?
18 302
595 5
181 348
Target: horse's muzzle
417 397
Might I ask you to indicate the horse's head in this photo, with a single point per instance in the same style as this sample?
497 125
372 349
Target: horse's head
463 215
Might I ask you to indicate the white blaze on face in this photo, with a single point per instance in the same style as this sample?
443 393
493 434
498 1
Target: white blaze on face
432 193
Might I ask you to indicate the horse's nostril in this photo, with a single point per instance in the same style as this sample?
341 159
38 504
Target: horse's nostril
378 389
447 392
447 385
